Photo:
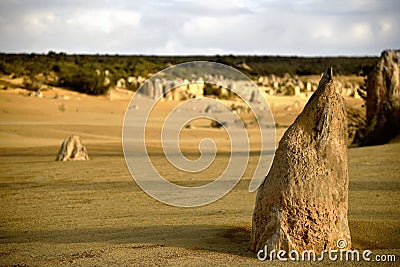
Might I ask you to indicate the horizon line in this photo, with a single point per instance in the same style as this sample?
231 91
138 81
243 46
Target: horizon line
186 55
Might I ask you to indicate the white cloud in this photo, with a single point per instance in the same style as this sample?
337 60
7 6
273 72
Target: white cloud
208 28
323 31
104 21
38 22
362 32
385 27
304 27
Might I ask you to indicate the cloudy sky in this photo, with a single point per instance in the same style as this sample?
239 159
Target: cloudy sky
181 27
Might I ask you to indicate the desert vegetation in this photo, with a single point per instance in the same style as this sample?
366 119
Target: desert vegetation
94 74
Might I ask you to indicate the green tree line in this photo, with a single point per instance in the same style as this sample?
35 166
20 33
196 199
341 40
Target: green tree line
93 74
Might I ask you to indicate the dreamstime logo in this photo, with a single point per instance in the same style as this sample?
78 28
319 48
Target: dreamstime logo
341 254
177 77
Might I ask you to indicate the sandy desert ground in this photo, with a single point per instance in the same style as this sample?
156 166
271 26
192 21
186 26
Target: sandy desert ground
92 213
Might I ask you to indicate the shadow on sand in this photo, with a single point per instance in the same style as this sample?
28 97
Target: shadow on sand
223 239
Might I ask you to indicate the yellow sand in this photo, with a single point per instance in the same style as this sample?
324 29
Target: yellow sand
93 212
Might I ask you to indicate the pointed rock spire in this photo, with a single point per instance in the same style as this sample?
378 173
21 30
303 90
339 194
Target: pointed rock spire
302 203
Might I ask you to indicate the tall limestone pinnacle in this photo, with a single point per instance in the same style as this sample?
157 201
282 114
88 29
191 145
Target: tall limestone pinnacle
383 99
302 203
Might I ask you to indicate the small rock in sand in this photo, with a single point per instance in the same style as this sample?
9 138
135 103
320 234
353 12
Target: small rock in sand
72 149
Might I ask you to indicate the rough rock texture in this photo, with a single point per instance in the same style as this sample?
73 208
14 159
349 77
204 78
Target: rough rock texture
356 126
302 203
383 99
72 149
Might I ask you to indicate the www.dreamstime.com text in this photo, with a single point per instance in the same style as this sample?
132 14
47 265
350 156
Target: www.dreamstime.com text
332 255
